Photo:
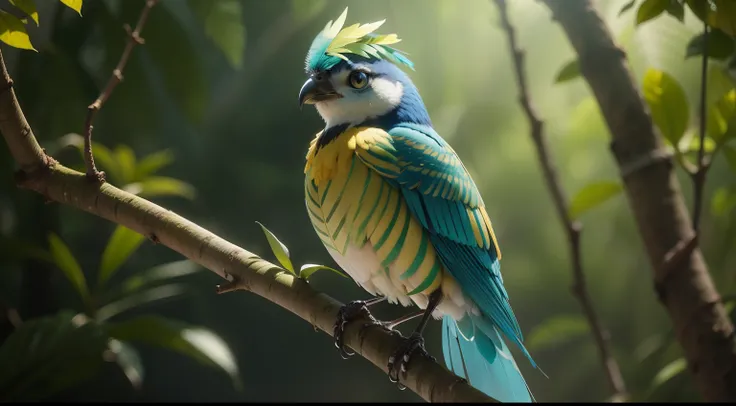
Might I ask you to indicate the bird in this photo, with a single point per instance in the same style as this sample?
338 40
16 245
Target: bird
398 211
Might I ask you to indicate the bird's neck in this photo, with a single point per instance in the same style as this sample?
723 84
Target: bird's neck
411 110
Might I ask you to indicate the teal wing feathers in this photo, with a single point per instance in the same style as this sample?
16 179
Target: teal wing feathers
498 376
441 194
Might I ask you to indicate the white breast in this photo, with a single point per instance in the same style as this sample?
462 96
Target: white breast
363 265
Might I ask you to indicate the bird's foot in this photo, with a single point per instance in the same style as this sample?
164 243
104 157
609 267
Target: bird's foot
397 363
348 312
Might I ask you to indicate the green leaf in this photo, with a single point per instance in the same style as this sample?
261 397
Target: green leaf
723 201
195 342
158 186
699 7
676 9
628 6
141 298
104 157
13 32
308 270
724 16
46 355
721 125
153 163
126 161
593 195
720 45
129 361
556 331
305 10
667 103
108 162
278 249
28 7
570 71
65 261
650 9
161 273
120 247
694 145
650 346
75 5
223 24
729 152
670 370
180 66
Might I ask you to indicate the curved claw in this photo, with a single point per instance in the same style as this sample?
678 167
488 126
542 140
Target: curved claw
347 313
397 363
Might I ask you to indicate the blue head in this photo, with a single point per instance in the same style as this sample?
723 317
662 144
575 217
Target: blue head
354 79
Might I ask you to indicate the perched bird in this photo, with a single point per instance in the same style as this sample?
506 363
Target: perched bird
398 211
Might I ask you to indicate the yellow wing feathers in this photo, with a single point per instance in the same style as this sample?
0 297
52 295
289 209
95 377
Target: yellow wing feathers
351 204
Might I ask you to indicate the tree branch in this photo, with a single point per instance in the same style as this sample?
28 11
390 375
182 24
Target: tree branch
700 174
572 228
134 38
242 269
686 289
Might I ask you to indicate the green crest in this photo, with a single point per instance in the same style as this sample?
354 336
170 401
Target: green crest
334 42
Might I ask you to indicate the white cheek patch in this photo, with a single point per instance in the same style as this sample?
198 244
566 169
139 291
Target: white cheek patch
356 107
388 91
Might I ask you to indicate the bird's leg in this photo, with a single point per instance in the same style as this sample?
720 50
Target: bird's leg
397 362
390 325
349 312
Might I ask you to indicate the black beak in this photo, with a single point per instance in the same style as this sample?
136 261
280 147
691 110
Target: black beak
316 89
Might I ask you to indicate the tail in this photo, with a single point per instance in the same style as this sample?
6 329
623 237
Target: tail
481 356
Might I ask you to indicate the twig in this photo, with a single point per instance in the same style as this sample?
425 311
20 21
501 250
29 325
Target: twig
572 228
134 38
244 270
703 166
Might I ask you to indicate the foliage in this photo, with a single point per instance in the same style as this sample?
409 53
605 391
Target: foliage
282 255
102 305
671 111
245 163
12 29
593 195
137 177
45 355
667 101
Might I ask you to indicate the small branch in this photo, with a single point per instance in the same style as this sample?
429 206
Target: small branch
242 269
572 228
703 166
134 38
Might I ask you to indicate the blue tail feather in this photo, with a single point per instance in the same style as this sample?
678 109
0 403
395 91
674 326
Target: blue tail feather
485 361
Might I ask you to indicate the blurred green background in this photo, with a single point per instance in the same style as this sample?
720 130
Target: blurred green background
216 86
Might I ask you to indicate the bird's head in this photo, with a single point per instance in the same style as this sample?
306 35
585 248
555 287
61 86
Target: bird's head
354 76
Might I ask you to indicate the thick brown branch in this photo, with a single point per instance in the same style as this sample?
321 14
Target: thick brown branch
572 228
242 269
134 38
704 330
25 150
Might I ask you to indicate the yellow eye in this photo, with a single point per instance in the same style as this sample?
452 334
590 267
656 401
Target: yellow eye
358 79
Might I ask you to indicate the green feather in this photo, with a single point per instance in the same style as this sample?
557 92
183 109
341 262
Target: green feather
334 43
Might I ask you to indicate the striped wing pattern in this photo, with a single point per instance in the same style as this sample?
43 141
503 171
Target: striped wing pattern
441 194
352 204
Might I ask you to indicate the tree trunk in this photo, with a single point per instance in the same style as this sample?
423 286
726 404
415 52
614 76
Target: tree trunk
681 276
